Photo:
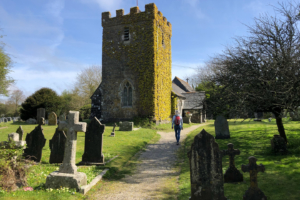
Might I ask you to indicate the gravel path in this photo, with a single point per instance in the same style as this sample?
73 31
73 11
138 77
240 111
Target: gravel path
156 167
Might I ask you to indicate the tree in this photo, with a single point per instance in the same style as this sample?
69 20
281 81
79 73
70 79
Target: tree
43 98
17 97
262 71
5 66
87 82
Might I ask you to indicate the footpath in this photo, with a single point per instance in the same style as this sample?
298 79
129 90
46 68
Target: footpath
153 175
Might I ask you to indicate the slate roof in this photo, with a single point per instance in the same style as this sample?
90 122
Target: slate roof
177 90
193 100
182 84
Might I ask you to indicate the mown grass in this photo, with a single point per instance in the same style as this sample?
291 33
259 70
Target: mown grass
282 175
124 144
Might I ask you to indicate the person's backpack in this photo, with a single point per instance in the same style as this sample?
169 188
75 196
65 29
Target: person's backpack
177 120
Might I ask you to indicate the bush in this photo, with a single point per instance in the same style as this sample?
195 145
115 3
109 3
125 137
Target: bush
85 111
144 122
12 170
43 98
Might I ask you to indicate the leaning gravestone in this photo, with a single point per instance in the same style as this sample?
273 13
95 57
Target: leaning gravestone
20 132
253 191
67 176
94 143
57 146
221 128
206 168
126 126
52 119
232 174
35 143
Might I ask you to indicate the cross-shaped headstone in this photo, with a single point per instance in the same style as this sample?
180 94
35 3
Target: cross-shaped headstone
232 174
253 191
231 152
72 126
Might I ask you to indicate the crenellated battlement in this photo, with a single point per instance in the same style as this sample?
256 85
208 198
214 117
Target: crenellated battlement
151 12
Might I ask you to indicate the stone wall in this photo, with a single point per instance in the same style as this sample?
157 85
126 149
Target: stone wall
140 61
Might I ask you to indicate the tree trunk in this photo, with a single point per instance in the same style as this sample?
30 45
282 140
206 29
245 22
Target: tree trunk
280 127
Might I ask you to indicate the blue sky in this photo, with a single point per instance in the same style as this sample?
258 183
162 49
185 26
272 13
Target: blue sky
51 41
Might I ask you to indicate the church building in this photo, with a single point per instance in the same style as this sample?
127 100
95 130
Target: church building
136 67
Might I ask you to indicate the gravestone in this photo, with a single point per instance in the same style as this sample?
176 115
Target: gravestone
67 176
186 120
253 191
221 128
40 113
20 132
57 146
5 120
9 119
14 137
206 168
126 126
52 119
270 119
232 174
31 121
113 131
35 143
278 144
94 143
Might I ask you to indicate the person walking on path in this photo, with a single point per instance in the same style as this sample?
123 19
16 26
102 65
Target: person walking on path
177 121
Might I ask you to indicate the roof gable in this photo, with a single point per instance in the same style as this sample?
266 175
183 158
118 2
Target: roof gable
182 85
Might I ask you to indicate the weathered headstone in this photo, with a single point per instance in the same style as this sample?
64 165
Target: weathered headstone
52 119
206 168
270 119
40 113
35 143
221 128
232 174
9 119
57 146
253 191
20 132
67 176
14 137
5 120
31 121
94 143
126 126
278 144
113 131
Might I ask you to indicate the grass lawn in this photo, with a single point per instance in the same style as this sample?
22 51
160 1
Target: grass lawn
125 144
282 172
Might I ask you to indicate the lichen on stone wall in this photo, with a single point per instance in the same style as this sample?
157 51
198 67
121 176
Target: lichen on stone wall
148 54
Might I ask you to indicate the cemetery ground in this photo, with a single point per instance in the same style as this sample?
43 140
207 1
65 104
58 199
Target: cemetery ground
282 172
125 145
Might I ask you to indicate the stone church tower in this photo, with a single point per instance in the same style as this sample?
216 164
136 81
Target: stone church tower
136 67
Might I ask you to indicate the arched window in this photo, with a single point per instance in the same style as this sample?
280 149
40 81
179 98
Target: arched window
127 95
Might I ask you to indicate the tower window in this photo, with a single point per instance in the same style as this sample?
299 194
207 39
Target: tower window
126 34
162 40
127 95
